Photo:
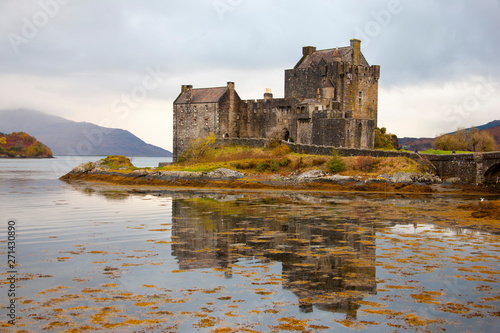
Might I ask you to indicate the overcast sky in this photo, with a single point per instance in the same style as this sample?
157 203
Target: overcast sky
121 63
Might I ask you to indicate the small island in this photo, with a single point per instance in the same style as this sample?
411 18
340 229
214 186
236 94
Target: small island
22 145
208 165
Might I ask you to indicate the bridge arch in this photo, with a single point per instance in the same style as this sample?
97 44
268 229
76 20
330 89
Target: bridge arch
492 175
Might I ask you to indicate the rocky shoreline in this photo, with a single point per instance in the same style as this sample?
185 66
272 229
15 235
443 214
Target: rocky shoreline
312 180
24 157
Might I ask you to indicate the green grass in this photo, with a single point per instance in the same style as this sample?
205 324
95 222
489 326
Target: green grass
443 152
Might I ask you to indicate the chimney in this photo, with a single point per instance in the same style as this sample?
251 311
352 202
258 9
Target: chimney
268 95
189 89
308 50
356 52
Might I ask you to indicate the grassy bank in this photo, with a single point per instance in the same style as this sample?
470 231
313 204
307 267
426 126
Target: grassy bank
282 160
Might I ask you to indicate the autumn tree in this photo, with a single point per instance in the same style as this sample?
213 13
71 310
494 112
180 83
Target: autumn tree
384 140
470 139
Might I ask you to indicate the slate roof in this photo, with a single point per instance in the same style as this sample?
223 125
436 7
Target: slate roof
343 54
310 101
202 95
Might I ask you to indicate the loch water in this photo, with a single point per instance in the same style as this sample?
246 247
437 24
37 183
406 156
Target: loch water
112 259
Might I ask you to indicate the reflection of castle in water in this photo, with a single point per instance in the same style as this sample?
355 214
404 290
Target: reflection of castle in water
326 263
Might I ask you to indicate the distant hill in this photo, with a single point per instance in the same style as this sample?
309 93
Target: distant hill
491 124
416 144
67 137
420 144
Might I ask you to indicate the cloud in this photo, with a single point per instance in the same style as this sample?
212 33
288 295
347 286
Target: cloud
86 54
430 109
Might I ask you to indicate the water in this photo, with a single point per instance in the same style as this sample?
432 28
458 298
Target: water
103 258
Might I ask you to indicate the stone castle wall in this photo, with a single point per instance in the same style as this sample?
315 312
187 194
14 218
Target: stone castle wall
330 99
317 149
193 121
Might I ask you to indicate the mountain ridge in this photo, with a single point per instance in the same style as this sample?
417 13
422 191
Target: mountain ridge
66 137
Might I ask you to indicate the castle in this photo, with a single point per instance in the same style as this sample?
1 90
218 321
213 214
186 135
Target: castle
331 99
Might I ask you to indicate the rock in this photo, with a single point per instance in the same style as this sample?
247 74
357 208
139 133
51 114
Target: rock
403 177
453 180
310 174
339 179
101 164
83 168
139 173
400 177
375 181
223 173
411 177
428 179
172 175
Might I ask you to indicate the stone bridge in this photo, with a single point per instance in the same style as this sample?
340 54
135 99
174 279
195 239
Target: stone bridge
477 168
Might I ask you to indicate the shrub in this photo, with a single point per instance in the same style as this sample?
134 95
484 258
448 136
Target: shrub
273 166
281 150
364 163
198 149
318 161
263 166
243 165
470 139
384 140
274 137
299 164
335 164
284 162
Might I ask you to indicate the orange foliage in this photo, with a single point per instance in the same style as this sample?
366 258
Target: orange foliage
22 144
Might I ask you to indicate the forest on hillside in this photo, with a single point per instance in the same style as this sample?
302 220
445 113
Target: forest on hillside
20 144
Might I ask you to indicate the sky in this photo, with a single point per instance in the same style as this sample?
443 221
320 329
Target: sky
121 63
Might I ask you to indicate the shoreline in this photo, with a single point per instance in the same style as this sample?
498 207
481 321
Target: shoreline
25 157
225 179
